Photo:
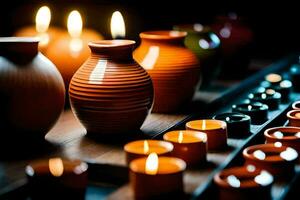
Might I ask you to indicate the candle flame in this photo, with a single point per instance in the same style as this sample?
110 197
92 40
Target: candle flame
152 164
42 19
203 124
74 24
117 25
56 166
146 147
180 137
249 107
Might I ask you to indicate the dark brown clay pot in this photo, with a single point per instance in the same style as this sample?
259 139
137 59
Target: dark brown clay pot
110 93
174 69
32 91
288 136
243 183
294 118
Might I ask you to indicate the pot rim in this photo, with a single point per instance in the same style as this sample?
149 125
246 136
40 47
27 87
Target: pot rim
19 39
163 34
111 43
269 133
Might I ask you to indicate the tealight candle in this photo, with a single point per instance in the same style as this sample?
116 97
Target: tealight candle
142 148
157 177
287 136
243 182
294 118
274 79
57 178
277 159
47 35
296 105
270 97
238 124
69 51
284 88
257 111
215 130
190 146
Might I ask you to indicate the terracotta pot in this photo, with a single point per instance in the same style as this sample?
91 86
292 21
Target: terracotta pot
32 91
288 136
207 46
294 118
243 183
236 38
277 159
174 69
110 93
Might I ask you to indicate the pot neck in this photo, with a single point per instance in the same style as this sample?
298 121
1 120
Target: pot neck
113 49
20 50
164 37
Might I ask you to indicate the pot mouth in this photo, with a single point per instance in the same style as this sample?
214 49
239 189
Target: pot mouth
111 43
19 39
163 35
288 133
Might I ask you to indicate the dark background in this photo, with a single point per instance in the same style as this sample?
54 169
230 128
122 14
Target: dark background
275 25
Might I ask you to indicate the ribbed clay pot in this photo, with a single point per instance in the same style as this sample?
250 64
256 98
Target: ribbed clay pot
110 93
32 91
174 69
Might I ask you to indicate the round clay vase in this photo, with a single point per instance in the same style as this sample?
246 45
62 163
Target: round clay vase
236 38
110 93
174 69
207 46
32 91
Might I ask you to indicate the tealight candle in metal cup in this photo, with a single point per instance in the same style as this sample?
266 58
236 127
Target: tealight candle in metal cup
257 111
243 182
284 88
277 159
288 136
270 97
294 118
238 124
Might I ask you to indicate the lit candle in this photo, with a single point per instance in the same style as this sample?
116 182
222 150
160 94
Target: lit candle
46 34
55 178
257 111
269 97
238 124
274 79
142 148
117 26
157 177
243 182
215 130
277 159
190 146
294 118
287 136
69 51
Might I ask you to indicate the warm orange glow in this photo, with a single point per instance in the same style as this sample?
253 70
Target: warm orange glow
180 137
297 115
203 124
273 78
75 29
117 25
152 164
56 166
146 147
42 19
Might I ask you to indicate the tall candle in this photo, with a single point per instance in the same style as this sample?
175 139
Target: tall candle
42 29
70 50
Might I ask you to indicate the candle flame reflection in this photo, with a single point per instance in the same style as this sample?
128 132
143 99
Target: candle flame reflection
180 137
152 164
117 25
146 147
56 166
203 124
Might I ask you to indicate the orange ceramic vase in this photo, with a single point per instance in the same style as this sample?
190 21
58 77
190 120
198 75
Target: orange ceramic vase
32 91
174 69
110 93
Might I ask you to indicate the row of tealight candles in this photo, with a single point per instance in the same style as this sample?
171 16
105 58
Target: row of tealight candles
264 163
